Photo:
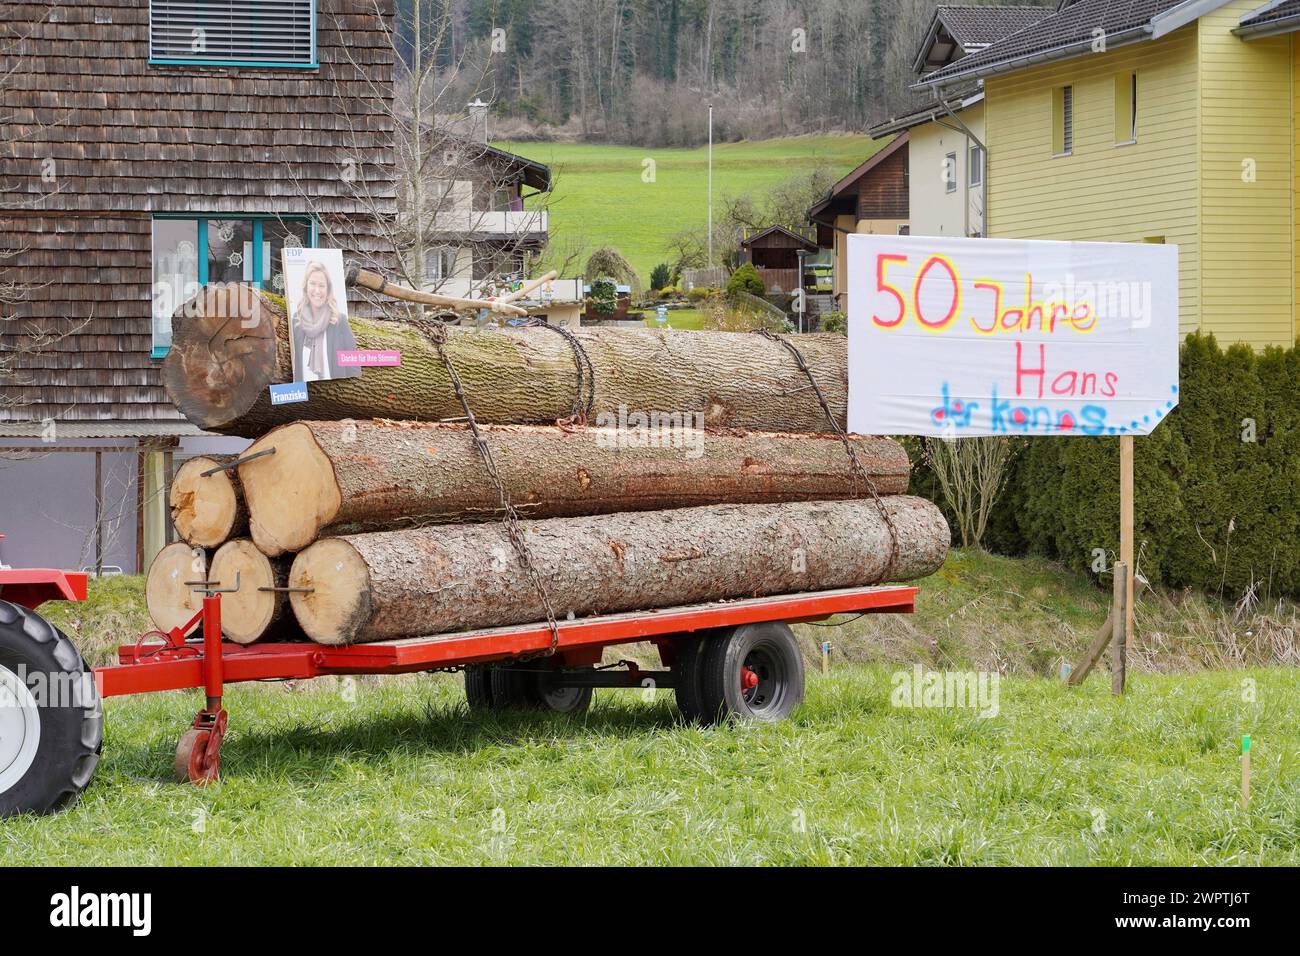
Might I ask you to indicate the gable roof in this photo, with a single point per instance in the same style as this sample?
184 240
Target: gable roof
1072 31
964 30
1279 16
801 240
841 188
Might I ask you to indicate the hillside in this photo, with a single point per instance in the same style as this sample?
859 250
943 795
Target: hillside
600 197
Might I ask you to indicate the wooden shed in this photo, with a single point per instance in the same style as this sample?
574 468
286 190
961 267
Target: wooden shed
777 253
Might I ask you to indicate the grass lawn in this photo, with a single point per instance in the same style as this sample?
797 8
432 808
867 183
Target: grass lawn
679 319
396 772
393 770
600 197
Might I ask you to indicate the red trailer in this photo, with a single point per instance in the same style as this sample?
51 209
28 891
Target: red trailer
723 659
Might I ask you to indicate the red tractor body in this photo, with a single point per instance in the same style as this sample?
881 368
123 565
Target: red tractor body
32 587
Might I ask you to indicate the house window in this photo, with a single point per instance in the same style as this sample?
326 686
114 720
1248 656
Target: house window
1063 121
975 159
439 264
188 253
1126 112
950 173
233 32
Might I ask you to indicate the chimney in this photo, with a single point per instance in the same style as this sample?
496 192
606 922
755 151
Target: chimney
478 112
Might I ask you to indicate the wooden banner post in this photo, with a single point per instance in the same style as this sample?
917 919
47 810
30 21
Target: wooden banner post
1126 531
1120 615
1118 629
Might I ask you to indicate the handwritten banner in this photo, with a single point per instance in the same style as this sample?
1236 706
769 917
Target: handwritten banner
964 337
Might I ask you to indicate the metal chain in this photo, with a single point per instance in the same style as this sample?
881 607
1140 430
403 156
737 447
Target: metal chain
436 333
859 472
582 410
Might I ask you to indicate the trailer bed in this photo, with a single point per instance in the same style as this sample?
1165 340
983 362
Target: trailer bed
145 668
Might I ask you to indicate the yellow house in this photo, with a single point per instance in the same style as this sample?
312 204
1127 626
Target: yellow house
1155 121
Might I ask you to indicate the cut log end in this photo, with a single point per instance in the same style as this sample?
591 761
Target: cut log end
207 511
171 602
338 603
247 614
223 354
291 494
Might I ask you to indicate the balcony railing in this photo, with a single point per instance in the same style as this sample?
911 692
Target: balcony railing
527 222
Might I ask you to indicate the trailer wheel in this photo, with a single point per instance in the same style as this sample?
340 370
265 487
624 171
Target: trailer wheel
561 700
530 685
755 672
478 687
50 740
688 671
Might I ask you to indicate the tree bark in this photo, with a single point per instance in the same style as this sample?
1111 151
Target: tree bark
207 511
249 613
346 477
373 587
228 347
170 602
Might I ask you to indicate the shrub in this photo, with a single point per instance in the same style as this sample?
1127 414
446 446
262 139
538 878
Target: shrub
701 292
604 296
661 276
746 279
1217 485
835 322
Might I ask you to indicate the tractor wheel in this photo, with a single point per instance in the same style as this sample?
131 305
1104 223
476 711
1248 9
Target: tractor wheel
755 672
51 718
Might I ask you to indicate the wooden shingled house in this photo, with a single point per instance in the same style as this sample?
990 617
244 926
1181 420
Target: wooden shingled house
150 148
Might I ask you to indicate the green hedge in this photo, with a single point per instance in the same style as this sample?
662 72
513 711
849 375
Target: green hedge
1213 511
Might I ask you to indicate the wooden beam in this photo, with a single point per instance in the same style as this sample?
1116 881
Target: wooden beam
1093 654
99 513
139 512
1120 615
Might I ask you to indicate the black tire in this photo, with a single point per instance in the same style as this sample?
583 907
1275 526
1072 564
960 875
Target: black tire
688 671
51 773
561 700
527 685
771 652
478 687
512 687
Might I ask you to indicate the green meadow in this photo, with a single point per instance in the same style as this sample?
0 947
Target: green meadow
636 199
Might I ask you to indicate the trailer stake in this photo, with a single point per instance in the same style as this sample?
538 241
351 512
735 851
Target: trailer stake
236 463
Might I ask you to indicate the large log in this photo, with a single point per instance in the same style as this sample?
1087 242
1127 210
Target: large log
207 510
372 587
365 476
230 344
248 614
170 601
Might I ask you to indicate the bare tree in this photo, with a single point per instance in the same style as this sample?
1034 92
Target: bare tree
453 211
971 473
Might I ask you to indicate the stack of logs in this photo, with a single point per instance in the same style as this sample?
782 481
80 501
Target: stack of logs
367 513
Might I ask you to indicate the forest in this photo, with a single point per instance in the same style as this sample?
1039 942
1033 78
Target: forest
639 72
